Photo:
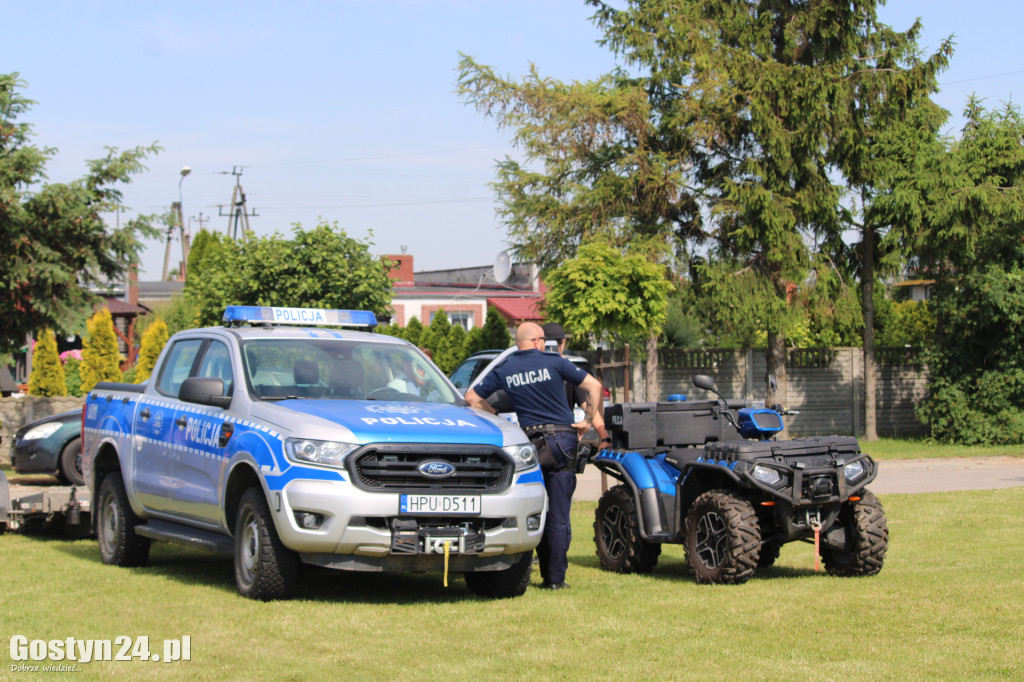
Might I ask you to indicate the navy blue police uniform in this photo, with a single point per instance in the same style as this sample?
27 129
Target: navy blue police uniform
534 381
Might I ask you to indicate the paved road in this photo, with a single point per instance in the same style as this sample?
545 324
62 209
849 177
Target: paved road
900 476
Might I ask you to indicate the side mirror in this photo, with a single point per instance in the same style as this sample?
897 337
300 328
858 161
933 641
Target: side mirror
204 391
705 382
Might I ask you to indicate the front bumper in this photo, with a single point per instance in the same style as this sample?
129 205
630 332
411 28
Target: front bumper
362 530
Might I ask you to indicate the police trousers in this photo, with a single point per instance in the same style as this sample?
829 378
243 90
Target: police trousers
553 550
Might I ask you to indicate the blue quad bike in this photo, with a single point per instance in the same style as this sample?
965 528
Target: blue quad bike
708 474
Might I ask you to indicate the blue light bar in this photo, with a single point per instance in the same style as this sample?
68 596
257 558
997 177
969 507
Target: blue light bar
309 317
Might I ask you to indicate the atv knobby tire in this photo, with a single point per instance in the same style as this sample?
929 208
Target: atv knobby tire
867 539
722 538
617 534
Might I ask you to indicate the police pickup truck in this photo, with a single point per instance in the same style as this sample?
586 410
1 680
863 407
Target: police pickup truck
310 444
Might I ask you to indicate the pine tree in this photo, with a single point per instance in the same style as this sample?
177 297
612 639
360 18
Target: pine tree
153 341
414 332
47 378
100 358
457 343
435 339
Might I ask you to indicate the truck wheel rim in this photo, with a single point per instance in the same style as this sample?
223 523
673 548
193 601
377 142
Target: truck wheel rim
712 539
250 548
111 525
613 531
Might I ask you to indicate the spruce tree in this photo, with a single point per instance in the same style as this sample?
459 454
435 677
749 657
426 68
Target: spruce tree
153 341
100 357
47 378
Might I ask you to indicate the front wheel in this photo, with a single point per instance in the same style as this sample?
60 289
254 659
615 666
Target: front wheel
617 535
866 539
71 463
511 582
264 568
115 526
722 538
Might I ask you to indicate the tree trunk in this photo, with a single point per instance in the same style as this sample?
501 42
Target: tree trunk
653 393
868 304
775 359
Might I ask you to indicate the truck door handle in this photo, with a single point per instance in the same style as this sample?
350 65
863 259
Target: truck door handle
181 421
144 413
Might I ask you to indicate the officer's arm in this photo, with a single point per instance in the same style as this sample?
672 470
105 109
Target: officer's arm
593 388
473 399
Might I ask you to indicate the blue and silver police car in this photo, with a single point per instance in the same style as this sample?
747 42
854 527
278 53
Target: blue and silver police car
290 435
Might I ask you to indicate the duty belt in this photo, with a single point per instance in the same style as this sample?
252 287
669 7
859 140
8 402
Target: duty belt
547 429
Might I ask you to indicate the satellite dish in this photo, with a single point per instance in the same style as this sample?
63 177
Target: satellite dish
502 266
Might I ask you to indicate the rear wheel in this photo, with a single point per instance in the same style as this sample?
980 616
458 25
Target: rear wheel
866 539
617 535
115 526
510 582
264 568
71 463
722 538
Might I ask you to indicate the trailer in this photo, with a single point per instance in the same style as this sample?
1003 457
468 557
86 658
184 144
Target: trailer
44 508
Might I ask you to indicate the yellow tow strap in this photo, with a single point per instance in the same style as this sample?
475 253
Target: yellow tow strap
447 546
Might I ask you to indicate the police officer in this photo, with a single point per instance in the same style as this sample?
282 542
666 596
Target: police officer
534 381
575 395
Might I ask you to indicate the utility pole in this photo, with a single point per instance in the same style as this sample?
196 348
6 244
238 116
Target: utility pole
238 216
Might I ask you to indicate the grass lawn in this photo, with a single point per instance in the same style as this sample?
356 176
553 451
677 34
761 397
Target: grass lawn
947 605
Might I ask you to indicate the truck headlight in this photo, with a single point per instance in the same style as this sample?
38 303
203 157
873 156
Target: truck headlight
853 471
766 475
525 455
327 452
42 431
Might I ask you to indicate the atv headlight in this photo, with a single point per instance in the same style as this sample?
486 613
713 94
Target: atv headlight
42 431
766 475
525 455
853 471
327 452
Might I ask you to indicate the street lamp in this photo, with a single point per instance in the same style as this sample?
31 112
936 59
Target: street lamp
176 206
185 170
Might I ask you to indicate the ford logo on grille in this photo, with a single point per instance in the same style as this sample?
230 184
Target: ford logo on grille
436 469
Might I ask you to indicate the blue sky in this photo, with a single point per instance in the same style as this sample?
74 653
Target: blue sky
346 110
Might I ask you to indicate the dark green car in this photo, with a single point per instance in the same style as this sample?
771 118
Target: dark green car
50 446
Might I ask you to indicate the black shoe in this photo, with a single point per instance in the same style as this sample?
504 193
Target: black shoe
554 586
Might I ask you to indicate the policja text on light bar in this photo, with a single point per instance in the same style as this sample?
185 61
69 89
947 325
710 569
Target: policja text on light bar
238 314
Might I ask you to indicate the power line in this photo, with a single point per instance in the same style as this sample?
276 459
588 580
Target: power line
981 78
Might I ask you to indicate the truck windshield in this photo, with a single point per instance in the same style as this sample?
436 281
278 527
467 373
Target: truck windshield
278 369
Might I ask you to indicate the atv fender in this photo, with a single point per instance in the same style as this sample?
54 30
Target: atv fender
653 484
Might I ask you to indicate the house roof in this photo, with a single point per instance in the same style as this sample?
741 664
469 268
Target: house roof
119 307
519 309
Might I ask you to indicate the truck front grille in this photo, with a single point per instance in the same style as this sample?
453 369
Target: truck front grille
396 467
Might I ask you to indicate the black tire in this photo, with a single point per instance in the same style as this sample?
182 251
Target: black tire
264 568
768 554
722 538
511 582
115 526
617 534
71 462
867 539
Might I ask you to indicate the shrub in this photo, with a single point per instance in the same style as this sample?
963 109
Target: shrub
47 378
100 357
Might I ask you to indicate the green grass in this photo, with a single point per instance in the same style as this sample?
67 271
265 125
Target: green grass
947 605
904 448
